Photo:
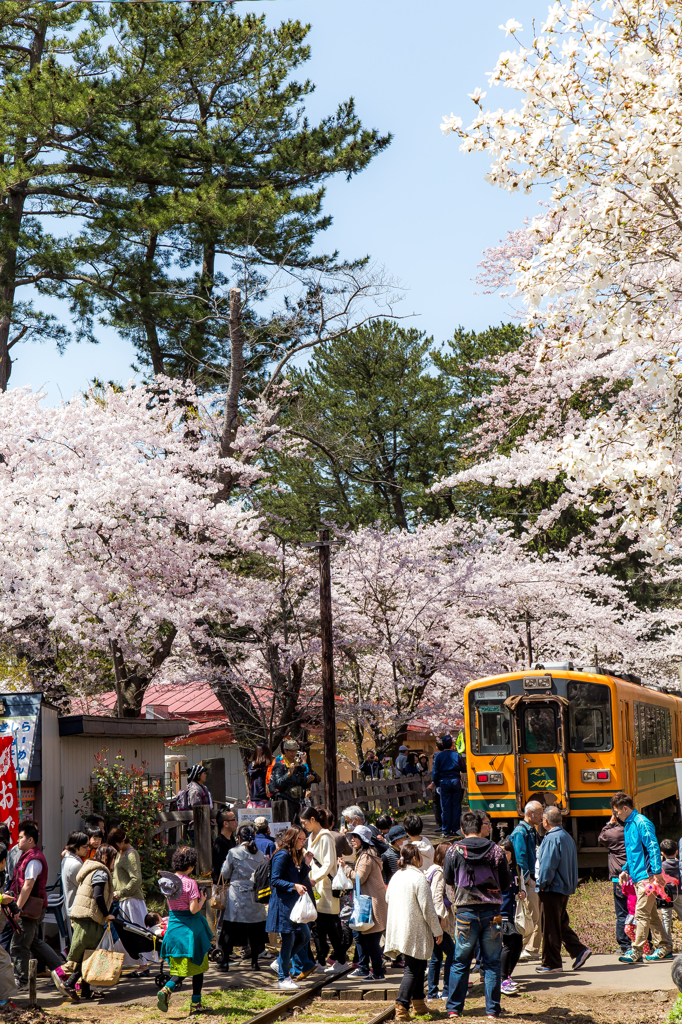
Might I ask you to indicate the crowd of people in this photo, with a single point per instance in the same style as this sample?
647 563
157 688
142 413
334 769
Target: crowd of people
380 891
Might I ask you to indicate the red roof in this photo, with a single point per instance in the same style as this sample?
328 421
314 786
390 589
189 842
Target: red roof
218 731
193 701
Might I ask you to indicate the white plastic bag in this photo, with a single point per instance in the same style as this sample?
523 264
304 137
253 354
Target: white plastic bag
304 910
341 881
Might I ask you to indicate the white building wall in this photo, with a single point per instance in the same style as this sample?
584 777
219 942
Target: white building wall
235 783
78 760
51 835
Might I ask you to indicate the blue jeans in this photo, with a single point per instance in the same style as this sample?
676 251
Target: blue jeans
445 949
474 923
294 947
451 804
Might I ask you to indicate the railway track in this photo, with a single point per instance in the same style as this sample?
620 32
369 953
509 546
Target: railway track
306 995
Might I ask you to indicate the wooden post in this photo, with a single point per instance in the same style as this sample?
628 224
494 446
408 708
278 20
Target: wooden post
328 707
32 981
202 838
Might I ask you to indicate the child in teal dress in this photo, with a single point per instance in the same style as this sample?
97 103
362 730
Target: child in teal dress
188 937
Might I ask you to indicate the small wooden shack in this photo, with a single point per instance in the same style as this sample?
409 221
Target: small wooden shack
57 755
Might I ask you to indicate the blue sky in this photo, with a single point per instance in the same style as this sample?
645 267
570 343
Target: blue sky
422 209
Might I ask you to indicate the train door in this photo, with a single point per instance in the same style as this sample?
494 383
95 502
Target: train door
629 776
541 735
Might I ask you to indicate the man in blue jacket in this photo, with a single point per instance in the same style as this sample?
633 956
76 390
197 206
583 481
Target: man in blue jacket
557 879
643 868
525 840
447 765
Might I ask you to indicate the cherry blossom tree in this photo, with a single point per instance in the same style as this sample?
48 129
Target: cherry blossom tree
594 394
418 615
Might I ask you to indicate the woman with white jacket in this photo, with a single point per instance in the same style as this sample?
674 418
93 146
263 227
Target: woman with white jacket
411 928
323 867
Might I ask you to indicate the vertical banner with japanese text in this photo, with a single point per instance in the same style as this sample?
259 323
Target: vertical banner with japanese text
9 801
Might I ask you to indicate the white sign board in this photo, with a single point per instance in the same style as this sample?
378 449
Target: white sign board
22 729
251 813
279 826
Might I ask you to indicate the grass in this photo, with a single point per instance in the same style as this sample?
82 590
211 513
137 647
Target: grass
238 1004
593 916
675 1015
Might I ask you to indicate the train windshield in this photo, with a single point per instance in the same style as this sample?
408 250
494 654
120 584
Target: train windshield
490 722
589 716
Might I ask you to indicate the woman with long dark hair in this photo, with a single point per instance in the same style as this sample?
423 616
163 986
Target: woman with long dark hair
327 926
289 879
261 760
512 941
244 919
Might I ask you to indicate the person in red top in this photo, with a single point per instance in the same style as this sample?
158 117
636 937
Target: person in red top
30 880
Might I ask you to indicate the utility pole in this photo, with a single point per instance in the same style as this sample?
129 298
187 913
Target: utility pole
529 644
323 546
328 708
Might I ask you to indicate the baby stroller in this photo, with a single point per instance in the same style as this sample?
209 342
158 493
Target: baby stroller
137 939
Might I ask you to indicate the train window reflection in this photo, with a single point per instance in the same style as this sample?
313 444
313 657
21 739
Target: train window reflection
539 730
491 732
589 716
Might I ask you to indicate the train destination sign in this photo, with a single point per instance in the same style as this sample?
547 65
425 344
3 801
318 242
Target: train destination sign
542 778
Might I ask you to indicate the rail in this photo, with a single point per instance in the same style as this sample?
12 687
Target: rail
309 993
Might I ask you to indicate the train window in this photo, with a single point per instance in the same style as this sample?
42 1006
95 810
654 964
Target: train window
490 729
589 716
539 729
653 731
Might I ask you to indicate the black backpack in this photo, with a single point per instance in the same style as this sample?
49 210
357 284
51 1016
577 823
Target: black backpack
262 890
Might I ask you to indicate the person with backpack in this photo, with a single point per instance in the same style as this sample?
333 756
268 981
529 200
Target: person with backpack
195 794
260 763
446 916
290 778
478 872
244 917
188 937
323 867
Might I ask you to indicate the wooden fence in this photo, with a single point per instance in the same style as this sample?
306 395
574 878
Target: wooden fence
395 796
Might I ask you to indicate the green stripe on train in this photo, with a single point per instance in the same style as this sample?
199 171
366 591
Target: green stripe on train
653 776
495 804
591 803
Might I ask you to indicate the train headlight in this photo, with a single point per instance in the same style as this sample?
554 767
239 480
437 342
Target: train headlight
489 778
596 775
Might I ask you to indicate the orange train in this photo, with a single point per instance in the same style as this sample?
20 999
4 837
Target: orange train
572 737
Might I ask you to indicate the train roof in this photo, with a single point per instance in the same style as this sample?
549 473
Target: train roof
591 673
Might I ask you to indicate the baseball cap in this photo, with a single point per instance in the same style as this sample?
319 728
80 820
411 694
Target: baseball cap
397 832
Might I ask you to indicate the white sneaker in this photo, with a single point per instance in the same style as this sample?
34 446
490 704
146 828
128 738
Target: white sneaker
289 985
528 955
274 966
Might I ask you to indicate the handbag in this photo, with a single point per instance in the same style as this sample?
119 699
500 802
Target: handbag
523 920
103 965
33 908
362 917
303 911
219 896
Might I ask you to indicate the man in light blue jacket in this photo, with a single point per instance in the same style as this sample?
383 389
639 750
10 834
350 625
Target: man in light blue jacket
643 869
557 880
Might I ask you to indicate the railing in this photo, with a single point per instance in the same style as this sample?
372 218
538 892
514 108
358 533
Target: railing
399 796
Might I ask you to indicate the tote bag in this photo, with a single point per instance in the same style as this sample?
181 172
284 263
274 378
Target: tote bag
103 967
361 918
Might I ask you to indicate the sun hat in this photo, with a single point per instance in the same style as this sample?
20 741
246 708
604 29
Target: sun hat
289 745
363 833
